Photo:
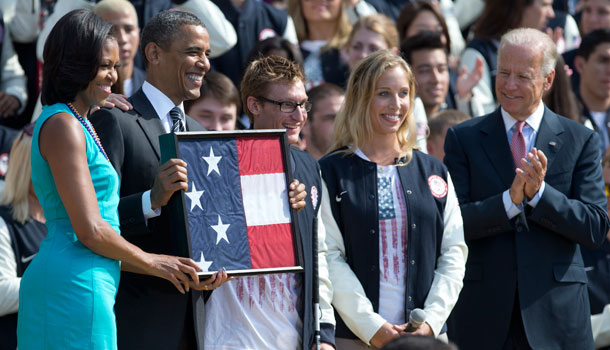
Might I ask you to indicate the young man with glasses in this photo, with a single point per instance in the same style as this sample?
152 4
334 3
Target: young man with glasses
276 311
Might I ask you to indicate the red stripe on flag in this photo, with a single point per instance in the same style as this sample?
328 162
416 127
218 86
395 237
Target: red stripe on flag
271 246
260 155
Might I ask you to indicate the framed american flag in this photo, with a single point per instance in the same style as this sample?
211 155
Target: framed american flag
236 213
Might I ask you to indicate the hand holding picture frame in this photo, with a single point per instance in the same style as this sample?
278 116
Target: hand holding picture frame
235 214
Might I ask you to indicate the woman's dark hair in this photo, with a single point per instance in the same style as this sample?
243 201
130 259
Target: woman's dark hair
560 98
411 10
498 17
264 48
72 55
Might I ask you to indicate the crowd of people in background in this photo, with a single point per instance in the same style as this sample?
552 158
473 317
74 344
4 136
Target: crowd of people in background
458 149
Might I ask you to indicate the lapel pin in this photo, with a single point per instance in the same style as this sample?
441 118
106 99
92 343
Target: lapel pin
552 143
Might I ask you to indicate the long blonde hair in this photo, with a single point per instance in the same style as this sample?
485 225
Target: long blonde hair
344 27
379 24
353 122
17 180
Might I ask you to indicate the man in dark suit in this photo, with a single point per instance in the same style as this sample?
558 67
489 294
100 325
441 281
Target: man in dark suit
150 315
530 188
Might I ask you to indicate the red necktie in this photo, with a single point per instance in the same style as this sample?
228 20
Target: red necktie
517 144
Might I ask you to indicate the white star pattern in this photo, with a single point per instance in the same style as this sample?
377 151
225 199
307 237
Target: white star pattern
212 161
221 230
204 265
195 197
385 197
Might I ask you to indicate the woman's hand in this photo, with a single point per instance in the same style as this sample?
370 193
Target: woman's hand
174 269
211 283
423 329
119 101
384 335
557 36
114 100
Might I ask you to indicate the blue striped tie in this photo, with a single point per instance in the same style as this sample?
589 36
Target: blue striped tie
177 120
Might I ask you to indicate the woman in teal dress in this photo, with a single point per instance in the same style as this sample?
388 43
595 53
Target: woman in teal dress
67 293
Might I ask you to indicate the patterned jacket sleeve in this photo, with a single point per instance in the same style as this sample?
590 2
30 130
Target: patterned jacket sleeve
349 298
9 282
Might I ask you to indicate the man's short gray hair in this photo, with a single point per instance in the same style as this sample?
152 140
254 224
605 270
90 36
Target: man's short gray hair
534 38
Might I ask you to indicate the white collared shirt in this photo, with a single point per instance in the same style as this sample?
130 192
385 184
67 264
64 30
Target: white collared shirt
530 131
161 103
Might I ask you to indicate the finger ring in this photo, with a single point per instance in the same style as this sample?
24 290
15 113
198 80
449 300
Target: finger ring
205 287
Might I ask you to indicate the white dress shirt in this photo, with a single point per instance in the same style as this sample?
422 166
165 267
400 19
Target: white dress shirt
530 131
162 105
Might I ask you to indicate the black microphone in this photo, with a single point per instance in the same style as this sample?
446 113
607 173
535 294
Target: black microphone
416 318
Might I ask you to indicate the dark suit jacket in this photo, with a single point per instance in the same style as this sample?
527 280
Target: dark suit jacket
137 79
150 311
537 253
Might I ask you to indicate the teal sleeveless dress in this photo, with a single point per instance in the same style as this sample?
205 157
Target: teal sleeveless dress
67 294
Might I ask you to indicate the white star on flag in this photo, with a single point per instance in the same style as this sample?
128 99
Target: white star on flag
212 161
221 230
204 265
195 197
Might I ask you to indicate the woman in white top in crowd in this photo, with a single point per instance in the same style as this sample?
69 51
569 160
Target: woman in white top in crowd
394 229
322 29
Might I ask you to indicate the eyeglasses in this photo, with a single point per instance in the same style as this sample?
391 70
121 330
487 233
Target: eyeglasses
287 106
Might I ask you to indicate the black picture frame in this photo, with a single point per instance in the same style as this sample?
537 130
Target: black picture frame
177 205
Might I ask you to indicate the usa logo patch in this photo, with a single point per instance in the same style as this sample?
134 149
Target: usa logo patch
266 34
314 196
438 186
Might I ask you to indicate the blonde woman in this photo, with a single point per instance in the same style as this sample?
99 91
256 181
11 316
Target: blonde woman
21 231
377 32
394 230
322 28
370 34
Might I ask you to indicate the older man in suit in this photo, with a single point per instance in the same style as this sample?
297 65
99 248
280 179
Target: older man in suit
530 188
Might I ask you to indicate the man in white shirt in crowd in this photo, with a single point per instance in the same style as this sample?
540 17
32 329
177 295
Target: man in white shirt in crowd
276 311
593 64
326 100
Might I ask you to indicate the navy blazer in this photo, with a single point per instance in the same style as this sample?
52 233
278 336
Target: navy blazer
537 253
137 79
352 182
